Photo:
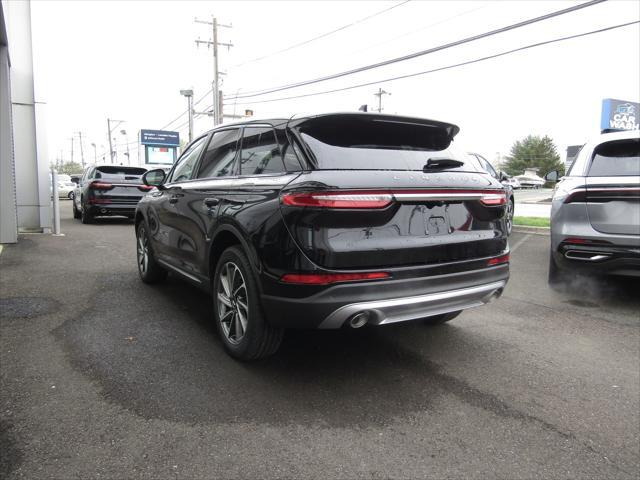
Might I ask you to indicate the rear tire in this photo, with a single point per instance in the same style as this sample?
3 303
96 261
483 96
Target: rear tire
148 268
85 216
555 275
76 212
237 311
440 319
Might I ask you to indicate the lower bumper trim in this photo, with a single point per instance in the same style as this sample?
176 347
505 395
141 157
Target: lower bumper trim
412 308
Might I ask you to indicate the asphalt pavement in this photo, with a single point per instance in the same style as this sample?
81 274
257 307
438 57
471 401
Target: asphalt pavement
102 376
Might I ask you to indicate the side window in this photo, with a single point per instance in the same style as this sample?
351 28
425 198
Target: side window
218 160
260 152
187 162
488 167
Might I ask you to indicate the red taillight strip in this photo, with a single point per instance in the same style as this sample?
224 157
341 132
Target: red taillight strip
328 278
498 260
591 194
101 186
370 199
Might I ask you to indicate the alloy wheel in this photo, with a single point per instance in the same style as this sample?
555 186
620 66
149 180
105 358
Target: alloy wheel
143 251
232 303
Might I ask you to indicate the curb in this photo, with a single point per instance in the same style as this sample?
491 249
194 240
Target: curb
534 230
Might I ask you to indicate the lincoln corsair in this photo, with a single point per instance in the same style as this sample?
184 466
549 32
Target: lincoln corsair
327 221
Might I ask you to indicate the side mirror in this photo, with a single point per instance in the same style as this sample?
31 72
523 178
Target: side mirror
154 178
503 177
552 176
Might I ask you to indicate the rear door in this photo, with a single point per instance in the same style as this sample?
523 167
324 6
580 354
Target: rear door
613 187
369 202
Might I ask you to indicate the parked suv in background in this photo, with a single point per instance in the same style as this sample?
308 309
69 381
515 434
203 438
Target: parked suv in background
595 214
483 164
108 190
328 221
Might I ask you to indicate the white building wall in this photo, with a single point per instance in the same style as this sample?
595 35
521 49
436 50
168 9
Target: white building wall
8 214
30 146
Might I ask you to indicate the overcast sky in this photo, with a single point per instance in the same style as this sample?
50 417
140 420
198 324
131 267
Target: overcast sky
128 60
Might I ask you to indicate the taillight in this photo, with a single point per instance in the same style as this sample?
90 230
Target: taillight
100 186
498 260
493 199
327 278
145 188
369 199
356 199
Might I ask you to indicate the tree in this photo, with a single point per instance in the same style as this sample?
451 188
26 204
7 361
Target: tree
70 168
533 152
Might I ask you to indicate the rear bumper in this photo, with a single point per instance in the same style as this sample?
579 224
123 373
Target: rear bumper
599 259
388 301
112 209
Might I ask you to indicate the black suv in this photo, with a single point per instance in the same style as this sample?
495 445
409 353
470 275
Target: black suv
106 190
328 221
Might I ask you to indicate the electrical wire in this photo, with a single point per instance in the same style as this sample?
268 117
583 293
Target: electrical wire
420 53
184 113
448 67
323 35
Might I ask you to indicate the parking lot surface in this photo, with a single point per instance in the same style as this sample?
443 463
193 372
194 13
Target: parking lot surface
105 377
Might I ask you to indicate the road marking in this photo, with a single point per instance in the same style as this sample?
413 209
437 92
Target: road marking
520 242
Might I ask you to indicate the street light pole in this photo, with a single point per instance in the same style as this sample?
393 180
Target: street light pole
95 153
126 139
110 129
189 95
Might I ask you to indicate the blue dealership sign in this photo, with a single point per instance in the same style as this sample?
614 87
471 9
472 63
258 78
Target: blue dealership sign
160 137
619 115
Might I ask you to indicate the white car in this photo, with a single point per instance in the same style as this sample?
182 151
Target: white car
65 186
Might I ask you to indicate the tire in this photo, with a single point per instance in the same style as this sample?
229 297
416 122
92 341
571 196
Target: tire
509 215
70 196
555 275
85 216
440 319
235 296
148 269
76 212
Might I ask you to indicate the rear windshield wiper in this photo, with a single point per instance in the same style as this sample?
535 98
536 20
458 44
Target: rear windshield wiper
441 163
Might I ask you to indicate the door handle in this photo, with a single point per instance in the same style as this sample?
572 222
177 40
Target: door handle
175 197
211 202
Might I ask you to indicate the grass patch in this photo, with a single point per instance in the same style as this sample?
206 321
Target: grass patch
532 221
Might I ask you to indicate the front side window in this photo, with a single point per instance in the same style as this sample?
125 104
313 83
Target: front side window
616 159
260 152
184 169
219 159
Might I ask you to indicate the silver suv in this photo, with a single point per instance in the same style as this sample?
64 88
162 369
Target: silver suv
595 215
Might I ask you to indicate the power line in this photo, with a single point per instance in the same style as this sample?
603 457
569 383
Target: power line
469 62
422 52
184 113
323 35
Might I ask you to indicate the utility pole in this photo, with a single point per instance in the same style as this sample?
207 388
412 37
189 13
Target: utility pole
379 94
217 114
71 149
189 95
110 129
95 153
81 149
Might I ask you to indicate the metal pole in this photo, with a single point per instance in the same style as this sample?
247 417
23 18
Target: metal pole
81 149
110 144
190 105
71 149
216 113
56 202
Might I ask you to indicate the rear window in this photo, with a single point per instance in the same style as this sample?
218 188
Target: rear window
616 159
378 145
120 170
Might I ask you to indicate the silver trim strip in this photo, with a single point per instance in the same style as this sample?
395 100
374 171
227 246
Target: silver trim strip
178 270
421 306
594 256
218 183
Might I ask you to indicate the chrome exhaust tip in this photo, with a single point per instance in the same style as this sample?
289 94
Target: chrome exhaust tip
585 256
358 320
103 210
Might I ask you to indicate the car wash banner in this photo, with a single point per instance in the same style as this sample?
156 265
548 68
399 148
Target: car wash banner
619 115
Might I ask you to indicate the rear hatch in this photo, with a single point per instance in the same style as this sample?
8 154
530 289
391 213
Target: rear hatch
118 185
368 201
613 187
